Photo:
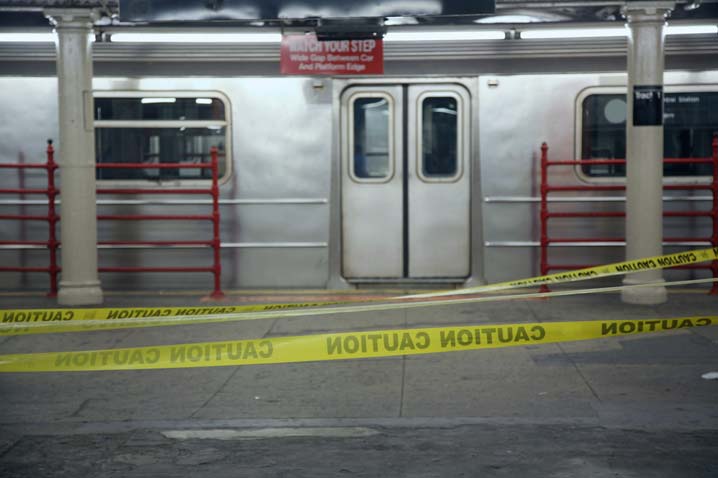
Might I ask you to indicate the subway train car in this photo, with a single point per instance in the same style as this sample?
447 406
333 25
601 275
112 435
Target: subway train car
428 175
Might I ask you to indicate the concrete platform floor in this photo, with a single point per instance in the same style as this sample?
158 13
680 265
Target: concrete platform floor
629 407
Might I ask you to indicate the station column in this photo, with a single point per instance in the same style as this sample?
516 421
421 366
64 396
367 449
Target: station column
79 284
644 145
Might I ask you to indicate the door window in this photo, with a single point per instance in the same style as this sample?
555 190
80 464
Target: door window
439 137
371 138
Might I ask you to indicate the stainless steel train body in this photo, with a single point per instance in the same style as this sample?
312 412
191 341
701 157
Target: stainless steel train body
296 209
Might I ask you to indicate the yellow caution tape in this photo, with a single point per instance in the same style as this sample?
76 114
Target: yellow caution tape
87 324
24 321
617 268
339 346
111 314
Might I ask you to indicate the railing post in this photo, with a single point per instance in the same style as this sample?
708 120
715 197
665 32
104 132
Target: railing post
52 242
714 210
23 211
544 214
216 240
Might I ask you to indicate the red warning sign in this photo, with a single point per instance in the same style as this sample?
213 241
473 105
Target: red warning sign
305 55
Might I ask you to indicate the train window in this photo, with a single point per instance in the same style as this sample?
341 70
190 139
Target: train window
439 137
371 138
690 120
159 129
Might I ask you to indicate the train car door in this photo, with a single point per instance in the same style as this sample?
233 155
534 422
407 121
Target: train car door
405 182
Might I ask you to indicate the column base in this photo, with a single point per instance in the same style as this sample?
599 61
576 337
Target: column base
473 282
83 293
337 282
644 295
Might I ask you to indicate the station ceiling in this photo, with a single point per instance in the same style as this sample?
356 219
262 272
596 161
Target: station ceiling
217 13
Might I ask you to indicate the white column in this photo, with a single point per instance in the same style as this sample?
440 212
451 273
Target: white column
79 283
644 146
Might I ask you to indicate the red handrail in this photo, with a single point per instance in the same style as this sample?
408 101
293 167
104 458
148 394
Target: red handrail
53 218
217 293
52 193
214 243
545 240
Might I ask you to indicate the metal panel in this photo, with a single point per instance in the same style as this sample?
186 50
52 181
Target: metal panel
372 209
276 194
279 150
513 113
286 153
439 207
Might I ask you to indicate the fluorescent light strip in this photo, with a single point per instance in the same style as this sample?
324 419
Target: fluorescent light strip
445 35
691 29
276 37
545 34
28 37
149 101
542 34
196 37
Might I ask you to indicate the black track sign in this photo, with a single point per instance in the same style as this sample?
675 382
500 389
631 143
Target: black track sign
648 105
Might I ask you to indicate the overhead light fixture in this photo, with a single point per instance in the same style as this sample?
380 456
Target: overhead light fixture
195 37
149 101
691 29
48 37
445 35
545 34
203 101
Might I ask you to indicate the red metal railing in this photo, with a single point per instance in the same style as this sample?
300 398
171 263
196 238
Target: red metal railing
51 192
214 243
52 217
545 214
